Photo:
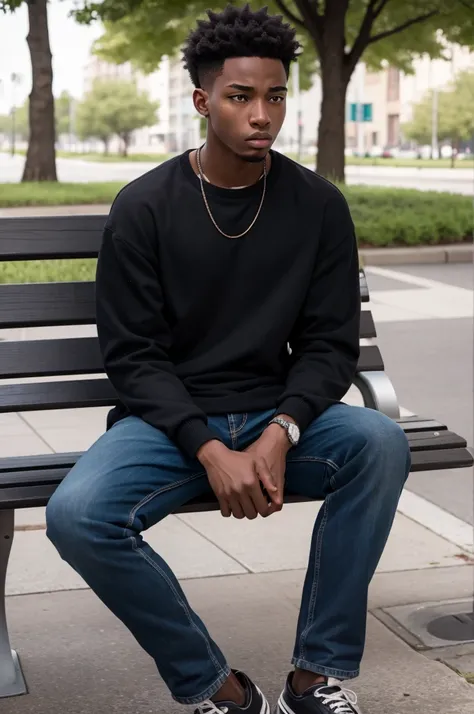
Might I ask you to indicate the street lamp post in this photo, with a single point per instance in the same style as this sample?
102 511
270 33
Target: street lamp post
15 80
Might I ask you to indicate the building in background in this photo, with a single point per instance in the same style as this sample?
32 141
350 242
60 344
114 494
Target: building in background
151 138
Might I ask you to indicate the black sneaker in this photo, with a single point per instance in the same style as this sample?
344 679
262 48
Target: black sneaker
323 698
255 702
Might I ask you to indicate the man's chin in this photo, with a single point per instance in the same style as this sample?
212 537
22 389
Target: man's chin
256 157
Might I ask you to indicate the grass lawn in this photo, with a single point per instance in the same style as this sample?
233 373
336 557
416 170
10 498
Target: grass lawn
308 160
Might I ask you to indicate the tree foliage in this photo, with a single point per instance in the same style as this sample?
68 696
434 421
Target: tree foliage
455 113
114 107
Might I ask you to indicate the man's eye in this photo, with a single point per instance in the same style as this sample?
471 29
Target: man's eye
239 98
277 100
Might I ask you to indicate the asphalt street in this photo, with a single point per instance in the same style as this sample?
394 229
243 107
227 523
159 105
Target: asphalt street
77 170
430 363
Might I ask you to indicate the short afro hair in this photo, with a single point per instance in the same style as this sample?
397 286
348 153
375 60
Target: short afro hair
238 32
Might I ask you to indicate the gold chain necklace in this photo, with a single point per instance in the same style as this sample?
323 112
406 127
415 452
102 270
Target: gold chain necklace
201 179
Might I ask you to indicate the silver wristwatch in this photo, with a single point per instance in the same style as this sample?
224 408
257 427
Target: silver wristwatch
292 430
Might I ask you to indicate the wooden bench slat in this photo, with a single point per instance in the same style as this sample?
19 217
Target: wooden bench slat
429 440
77 356
44 358
49 304
39 462
46 304
367 325
50 237
413 424
440 459
56 395
370 359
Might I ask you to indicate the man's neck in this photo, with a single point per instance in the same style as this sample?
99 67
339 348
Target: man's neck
223 168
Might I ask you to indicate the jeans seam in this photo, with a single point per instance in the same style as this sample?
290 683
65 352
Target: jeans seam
181 602
315 583
244 421
230 419
151 496
315 458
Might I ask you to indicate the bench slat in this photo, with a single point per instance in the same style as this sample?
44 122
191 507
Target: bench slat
49 358
23 496
57 395
428 440
50 237
440 459
414 424
46 304
49 304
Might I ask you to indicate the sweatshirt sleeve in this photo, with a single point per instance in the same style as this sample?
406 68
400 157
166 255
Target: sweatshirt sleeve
135 340
325 339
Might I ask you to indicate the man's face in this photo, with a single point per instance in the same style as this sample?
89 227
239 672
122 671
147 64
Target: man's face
246 105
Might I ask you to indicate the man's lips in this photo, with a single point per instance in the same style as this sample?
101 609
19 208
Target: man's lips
260 142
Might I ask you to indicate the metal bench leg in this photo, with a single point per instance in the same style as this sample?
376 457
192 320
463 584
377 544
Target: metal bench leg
11 677
378 393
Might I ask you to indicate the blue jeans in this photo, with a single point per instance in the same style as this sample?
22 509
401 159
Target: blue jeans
356 459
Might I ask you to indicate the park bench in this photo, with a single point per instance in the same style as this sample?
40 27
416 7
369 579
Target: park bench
27 481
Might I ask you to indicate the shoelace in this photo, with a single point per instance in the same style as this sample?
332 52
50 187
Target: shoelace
209 707
341 702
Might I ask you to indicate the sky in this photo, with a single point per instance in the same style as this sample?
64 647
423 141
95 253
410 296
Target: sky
70 46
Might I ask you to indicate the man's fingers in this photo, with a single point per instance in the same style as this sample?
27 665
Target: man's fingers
236 508
225 508
265 476
248 507
259 500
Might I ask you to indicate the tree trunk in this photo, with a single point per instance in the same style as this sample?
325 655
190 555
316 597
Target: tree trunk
106 146
125 143
41 155
332 124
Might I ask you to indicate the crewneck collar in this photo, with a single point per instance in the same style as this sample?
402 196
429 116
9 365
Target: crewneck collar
231 193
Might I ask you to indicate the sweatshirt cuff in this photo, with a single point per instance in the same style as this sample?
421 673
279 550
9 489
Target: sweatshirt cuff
299 410
192 435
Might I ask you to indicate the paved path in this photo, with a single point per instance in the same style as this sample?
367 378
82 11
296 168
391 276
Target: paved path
78 170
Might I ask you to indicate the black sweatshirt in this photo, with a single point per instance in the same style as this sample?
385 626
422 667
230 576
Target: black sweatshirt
192 324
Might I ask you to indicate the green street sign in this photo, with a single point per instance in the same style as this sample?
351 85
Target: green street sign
364 112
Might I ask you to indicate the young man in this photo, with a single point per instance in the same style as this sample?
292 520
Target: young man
228 317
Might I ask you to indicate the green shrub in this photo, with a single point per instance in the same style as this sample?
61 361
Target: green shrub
382 216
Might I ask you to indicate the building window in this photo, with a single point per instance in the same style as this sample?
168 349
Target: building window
393 130
393 85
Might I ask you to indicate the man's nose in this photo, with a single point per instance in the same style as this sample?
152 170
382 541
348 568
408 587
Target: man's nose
260 117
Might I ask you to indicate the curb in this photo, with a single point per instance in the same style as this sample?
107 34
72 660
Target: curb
463 253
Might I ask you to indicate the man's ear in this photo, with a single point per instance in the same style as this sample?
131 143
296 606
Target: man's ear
201 101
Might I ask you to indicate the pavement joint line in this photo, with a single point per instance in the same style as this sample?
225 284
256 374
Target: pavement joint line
437 520
30 426
223 550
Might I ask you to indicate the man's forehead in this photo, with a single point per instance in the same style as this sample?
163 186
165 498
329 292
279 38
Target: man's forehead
253 71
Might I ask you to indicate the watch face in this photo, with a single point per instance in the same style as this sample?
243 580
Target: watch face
294 434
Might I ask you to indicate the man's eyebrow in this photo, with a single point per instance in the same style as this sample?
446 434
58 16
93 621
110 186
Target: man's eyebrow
244 88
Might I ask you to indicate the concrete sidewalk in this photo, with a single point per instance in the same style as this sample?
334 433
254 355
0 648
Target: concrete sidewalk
78 658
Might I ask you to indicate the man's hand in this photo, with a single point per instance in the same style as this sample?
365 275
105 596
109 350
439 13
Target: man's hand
272 447
237 479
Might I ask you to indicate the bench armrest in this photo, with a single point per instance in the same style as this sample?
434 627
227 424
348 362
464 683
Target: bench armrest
378 393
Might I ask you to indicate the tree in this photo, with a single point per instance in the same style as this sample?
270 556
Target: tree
114 107
341 32
40 162
454 111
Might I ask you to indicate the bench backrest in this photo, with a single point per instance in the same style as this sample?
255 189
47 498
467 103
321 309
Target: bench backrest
68 359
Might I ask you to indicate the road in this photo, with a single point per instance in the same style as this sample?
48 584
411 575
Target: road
425 332
77 170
